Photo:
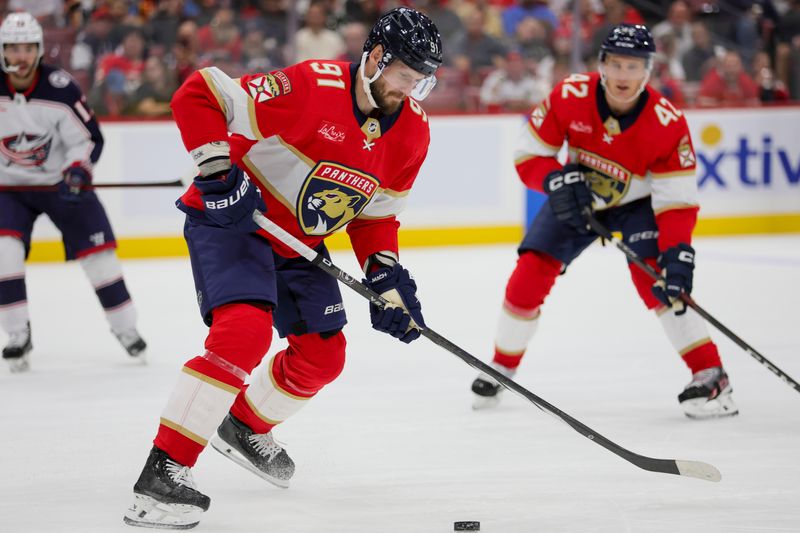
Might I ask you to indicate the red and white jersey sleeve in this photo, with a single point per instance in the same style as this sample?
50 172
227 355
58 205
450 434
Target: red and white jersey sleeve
295 132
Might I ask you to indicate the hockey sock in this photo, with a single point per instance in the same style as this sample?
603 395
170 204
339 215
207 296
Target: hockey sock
13 294
208 385
105 274
643 283
689 336
283 386
529 285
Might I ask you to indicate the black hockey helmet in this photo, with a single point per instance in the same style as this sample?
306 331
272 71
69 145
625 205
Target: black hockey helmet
629 40
407 35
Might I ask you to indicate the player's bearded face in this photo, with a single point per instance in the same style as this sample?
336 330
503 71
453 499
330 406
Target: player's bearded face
387 97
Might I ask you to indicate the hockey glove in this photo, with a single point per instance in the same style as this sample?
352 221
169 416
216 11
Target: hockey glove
569 196
230 199
677 268
76 177
401 319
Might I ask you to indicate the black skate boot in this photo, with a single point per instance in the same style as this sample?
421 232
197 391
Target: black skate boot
133 343
257 452
165 496
708 395
17 349
487 390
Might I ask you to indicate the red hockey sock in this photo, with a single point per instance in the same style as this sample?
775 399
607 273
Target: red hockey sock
701 357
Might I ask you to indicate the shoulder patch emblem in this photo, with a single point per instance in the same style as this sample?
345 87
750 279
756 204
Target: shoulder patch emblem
537 117
685 153
269 86
59 79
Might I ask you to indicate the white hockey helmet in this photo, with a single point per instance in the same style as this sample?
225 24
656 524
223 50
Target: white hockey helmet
20 28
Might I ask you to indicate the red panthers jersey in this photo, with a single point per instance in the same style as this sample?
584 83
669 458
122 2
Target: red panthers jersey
648 152
319 162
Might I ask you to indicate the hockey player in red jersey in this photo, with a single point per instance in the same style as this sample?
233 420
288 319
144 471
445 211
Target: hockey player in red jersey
631 160
49 144
318 145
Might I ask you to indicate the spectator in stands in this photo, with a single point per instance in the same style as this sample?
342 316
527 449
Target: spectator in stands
667 74
590 21
696 61
450 26
728 84
770 88
537 9
152 97
493 24
49 13
221 37
679 23
255 56
118 75
366 12
475 49
184 57
270 18
354 35
162 26
315 40
531 39
787 51
512 88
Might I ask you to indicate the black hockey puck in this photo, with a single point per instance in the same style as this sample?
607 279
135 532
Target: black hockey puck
467 526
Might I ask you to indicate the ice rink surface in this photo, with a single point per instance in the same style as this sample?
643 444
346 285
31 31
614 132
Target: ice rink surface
393 445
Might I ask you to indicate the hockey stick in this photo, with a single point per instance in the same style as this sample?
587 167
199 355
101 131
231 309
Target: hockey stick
695 469
688 300
119 185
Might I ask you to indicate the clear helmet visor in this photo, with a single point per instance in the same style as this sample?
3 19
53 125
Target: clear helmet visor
408 81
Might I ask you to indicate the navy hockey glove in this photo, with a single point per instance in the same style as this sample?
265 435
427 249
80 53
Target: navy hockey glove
230 199
677 269
403 319
75 179
569 196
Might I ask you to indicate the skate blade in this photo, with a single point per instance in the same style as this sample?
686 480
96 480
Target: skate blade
19 364
701 409
231 453
481 403
140 357
148 512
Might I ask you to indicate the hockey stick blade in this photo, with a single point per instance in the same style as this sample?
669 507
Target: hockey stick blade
693 469
634 258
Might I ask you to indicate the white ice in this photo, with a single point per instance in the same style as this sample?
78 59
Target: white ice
393 445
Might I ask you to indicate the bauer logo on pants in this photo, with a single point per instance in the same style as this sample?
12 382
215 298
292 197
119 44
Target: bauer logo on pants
332 196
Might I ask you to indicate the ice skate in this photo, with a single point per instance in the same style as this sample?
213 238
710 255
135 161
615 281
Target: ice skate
257 452
17 350
487 390
133 344
708 395
165 496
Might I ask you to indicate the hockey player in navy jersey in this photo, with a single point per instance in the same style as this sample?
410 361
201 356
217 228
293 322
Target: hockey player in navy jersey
631 160
49 139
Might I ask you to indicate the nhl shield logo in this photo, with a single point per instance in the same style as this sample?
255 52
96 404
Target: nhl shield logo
331 196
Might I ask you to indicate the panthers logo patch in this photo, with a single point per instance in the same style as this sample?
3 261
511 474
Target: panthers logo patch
608 180
331 196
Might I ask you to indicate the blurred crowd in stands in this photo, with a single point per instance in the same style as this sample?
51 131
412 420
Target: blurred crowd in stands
500 55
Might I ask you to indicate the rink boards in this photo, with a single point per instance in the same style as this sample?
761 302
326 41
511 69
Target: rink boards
468 191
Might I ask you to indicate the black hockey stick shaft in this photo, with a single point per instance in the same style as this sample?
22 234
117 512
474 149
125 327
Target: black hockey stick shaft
118 185
634 258
667 466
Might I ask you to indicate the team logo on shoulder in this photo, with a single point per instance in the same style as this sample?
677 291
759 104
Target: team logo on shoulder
608 180
25 149
537 116
686 153
331 196
269 86
59 79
